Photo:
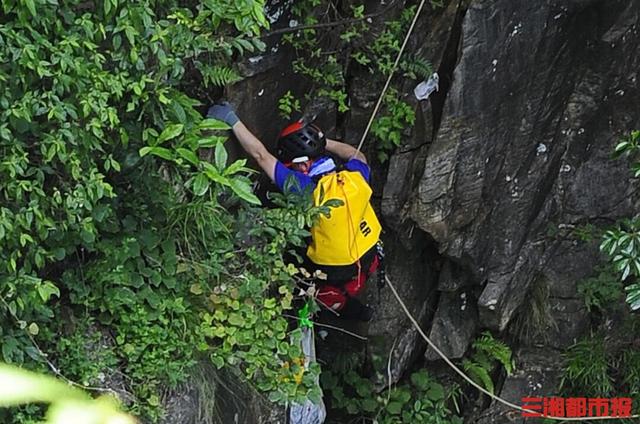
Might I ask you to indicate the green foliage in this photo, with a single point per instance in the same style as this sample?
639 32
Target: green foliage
219 75
82 353
488 352
373 47
622 244
588 368
630 372
587 232
123 251
416 68
604 364
629 146
386 45
421 400
601 292
288 104
389 126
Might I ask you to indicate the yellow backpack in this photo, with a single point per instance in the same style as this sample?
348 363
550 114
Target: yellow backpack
352 228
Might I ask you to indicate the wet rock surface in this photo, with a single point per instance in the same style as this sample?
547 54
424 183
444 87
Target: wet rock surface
539 97
213 396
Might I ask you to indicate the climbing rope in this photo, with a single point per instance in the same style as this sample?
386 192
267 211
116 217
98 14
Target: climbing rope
476 385
393 69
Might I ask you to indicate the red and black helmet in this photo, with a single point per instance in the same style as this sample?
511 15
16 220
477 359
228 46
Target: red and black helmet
300 139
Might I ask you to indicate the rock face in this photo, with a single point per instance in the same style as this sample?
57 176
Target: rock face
537 376
219 397
540 95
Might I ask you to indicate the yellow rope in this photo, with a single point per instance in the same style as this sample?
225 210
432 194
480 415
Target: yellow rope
393 69
476 385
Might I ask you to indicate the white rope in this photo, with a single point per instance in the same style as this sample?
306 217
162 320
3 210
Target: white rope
393 69
476 385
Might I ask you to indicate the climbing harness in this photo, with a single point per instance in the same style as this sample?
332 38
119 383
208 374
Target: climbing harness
476 385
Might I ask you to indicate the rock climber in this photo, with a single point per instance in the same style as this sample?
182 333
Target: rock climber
344 246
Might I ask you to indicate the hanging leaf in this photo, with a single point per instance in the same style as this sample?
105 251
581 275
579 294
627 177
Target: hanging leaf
221 156
200 185
243 190
162 152
170 132
213 124
633 297
188 155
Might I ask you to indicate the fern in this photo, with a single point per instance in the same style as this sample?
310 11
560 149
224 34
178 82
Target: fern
416 68
218 75
495 349
479 374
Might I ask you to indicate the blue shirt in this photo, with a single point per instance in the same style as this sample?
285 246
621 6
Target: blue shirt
282 173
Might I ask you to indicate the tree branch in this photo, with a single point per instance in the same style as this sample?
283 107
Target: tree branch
329 24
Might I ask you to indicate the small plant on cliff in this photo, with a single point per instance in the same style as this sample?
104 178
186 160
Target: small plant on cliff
288 104
602 291
488 353
622 244
606 363
421 400
391 124
588 368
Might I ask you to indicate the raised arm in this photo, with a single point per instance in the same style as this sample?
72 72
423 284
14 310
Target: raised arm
249 142
255 149
344 151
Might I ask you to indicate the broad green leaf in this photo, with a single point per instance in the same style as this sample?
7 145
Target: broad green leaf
394 408
200 184
47 289
213 124
211 141
633 297
144 151
188 155
221 156
68 404
214 175
235 167
369 405
31 6
243 190
170 132
436 392
162 152
33 329
421 379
